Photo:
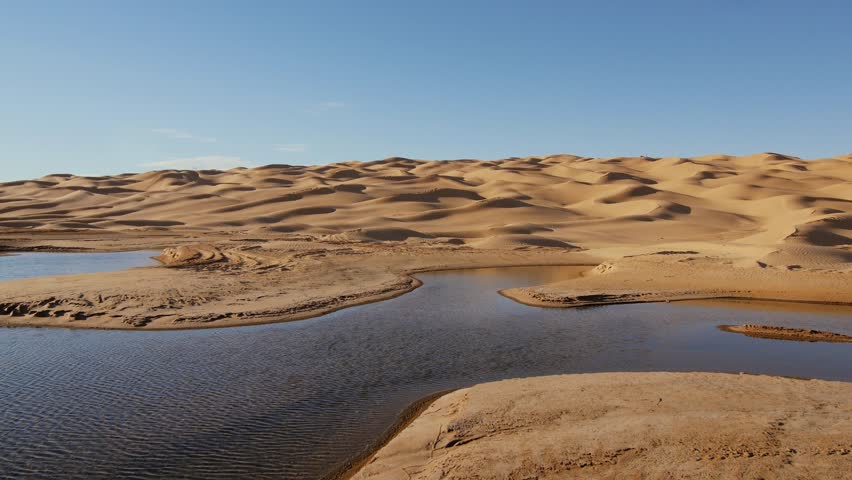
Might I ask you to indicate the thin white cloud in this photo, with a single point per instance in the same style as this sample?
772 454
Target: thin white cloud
181 135
291 147
218 162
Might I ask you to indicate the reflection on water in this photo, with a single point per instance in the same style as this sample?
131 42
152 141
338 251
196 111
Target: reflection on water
295 400
768 307
41 264
520 276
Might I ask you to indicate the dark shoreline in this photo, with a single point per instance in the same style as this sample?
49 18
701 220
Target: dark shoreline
403 420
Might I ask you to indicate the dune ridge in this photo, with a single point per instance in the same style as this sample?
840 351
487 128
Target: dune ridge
279 243
282 242
764 199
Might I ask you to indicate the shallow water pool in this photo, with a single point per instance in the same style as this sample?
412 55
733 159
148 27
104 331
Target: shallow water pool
42 264
296 400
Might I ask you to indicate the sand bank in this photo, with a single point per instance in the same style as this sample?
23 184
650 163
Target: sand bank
249 283
784 333
706 272
628 425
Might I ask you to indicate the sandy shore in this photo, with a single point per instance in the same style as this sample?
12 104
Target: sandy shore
691 272
243 283
237 281
628 425
281 242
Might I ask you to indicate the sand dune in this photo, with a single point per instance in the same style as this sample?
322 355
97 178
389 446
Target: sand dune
763 199
279 243
308 239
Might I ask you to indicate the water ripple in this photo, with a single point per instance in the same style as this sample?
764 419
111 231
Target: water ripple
296 400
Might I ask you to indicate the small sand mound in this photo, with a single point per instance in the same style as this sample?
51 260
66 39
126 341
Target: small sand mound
190 255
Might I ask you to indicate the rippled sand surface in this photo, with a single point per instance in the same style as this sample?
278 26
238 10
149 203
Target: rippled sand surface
295 400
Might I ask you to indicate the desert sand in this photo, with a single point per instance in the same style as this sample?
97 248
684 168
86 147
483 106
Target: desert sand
283 242
628 425
280 243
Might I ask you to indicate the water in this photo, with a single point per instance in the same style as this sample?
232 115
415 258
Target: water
41 264
295 400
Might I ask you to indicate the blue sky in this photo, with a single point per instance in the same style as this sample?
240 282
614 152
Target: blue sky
94 87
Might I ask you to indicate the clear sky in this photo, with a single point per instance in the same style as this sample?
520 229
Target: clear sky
93 87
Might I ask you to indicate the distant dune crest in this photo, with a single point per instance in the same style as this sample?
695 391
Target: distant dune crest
559 200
